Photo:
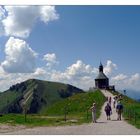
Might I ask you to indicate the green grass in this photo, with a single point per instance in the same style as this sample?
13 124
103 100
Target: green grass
77 106
32 120
7 98
48 93
77 112
49 90
131 110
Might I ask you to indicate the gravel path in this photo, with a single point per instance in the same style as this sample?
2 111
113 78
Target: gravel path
103 127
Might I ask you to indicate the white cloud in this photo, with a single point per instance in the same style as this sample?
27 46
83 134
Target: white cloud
50 58
127 82
9 79
80 69
20 58
119 77
19 20
133 82
2 73
48 13
110 66
134 78
39 72
78 74
2 11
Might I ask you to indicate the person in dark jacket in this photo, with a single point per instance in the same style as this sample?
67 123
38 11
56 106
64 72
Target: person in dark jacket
110 99
119 110
108 111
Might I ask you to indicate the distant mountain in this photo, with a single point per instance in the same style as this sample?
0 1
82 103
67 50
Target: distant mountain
34 95
132 94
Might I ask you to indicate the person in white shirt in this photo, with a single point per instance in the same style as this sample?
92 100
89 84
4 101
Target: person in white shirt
93 109
114 102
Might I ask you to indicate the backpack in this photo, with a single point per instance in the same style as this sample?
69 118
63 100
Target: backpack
119 106
107 108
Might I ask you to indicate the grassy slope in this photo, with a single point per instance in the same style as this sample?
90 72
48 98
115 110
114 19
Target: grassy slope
77 106
48 91
131 110
8 97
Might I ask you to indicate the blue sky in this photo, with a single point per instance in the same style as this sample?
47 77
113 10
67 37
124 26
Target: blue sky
90 34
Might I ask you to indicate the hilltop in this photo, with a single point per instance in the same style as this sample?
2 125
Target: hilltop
69 111
77 105
35 95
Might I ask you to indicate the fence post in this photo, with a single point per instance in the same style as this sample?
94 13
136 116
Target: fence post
65 114
25 112
129 115
135 116
25 116
87 113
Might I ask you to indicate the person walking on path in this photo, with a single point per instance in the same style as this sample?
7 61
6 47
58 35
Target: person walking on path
108 111
110 100
93 109
119 110
114 102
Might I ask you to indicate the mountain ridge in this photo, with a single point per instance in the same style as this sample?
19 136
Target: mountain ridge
34 94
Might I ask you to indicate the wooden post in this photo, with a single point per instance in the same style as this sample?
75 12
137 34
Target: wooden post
129 114
25 117
87 113
65 114
135 116
25 113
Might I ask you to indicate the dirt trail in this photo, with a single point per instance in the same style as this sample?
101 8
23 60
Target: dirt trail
103 127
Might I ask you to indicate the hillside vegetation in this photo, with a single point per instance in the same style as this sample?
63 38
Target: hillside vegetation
78 104
72 110
131 110
34 95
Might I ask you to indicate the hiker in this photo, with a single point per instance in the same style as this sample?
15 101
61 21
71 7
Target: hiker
106 98
108 111
105 89
93 109
121 97
116 97
119 110
114 102
109 101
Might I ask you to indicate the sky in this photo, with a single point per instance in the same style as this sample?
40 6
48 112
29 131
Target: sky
67 43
